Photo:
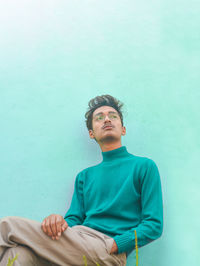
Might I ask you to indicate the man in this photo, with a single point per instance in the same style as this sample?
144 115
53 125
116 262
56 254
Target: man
112 201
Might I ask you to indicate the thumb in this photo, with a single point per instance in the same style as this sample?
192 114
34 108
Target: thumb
64 226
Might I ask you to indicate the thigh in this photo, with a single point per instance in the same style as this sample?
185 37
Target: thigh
69 250
98 247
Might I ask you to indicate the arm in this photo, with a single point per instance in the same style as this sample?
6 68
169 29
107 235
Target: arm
54 225
76 215
151 225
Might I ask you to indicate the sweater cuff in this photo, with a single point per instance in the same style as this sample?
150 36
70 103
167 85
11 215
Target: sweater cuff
125 242
70 224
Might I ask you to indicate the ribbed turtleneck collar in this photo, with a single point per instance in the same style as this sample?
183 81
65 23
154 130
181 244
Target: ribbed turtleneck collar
115 154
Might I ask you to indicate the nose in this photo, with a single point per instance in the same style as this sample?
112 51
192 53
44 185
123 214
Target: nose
106 118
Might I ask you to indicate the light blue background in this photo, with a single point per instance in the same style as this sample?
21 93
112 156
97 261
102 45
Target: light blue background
57 55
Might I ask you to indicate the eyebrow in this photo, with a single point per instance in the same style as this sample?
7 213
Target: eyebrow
111 112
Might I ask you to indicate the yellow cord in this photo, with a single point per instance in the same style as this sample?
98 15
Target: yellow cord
136 248
85 260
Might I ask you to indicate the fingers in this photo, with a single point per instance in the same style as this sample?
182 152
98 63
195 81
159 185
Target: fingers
58 226
61 226
48 226
64 225
43 226
54 225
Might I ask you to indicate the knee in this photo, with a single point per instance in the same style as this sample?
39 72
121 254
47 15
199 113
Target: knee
7 220
11 219
25 256
9 223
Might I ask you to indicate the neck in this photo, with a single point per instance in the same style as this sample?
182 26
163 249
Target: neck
115 154
110 146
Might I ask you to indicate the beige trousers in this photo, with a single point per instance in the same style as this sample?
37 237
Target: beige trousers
25 237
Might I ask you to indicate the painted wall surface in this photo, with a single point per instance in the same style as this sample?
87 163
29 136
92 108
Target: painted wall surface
57 55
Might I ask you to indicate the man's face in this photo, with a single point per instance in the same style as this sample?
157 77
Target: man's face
107 126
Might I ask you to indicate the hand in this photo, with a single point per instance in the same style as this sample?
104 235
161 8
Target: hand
54 225
114 248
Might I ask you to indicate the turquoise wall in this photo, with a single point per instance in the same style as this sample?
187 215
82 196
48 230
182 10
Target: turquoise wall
57 55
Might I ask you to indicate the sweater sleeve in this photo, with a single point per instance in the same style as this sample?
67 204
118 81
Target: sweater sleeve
151 226
75 214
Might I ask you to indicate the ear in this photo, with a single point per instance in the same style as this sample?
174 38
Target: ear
123 131
91 134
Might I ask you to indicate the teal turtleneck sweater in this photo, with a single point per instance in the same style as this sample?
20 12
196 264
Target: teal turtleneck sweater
118 196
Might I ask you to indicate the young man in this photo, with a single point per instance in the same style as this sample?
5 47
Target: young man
112 201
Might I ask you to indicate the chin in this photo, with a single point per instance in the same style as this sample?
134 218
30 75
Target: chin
108 139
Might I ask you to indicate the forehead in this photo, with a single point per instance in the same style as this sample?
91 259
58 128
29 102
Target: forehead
104 109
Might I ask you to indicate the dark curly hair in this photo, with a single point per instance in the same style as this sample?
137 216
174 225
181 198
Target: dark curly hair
99 101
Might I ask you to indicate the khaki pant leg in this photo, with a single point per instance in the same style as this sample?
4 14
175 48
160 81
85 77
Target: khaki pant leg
101 246
67 251
25 257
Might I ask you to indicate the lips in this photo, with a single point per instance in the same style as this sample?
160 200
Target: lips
107 127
